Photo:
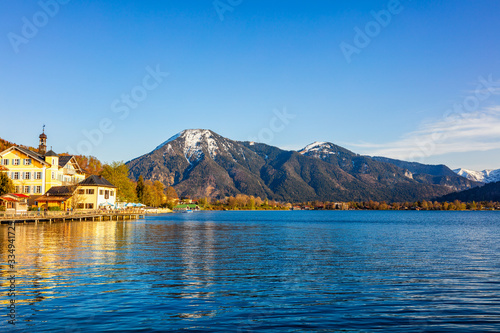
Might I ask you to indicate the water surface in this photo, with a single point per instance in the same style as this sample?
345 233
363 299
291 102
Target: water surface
349 271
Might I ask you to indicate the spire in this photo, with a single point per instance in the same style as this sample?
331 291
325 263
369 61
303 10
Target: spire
42 148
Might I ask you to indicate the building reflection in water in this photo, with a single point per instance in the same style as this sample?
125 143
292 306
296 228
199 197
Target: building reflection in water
49 255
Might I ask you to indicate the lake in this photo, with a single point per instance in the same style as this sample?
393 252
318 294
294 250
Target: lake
294 271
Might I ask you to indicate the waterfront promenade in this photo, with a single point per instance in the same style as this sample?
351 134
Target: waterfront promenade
50 217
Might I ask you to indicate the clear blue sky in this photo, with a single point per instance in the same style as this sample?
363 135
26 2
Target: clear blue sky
233 75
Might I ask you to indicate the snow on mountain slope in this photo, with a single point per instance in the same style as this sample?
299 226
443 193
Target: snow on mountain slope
169 140
193 141
323 149
485 176
200 163
315 146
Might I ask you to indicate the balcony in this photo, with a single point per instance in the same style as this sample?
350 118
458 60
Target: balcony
70 172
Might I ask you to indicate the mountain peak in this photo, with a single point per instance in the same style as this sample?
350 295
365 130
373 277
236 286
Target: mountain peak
200 162
194 143
191 136
324 150
315 146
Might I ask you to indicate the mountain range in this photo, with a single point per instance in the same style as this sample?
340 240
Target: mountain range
200 163
485 176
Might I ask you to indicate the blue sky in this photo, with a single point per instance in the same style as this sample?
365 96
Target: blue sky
272 71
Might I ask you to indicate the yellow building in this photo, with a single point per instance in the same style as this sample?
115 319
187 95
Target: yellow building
34 173
95 192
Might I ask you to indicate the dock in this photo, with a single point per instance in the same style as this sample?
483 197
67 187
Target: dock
52 217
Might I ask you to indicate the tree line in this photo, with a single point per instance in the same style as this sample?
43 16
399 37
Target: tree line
241 202
417 205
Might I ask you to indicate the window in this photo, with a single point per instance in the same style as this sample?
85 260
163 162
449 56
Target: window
112 193
5 161
15 175
89 206
81 206
27 161
38 189
106 194
27 175
101 192
81 191
53 161
38 175
90 191
53 175
27 189
15 161
18 189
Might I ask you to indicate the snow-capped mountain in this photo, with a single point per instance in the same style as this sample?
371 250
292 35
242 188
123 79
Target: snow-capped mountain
485 176
195 143
324 150
386 169
200 162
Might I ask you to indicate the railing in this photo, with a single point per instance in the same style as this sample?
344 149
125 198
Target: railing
77 213
67 171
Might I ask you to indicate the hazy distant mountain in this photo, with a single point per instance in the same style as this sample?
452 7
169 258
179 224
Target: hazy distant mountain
485 176
488 192
419 168
378 166
203 163
431 174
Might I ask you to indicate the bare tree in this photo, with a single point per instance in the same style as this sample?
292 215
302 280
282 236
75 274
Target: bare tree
76 196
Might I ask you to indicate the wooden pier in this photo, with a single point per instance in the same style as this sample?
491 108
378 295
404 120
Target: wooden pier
51 217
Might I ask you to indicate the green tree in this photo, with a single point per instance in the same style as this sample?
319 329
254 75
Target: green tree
149 195
251 203
117 174
6 184
139 189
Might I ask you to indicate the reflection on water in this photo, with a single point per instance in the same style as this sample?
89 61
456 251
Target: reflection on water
246 271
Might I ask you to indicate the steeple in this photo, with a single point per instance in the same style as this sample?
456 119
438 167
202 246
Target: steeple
42 148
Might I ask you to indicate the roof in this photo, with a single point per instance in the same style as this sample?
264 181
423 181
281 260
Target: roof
95 181
6 198
19 195
61 191
45 198
51 153
63 160
185 206
29 153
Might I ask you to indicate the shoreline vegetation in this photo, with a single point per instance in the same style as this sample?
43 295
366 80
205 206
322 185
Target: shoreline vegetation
244 202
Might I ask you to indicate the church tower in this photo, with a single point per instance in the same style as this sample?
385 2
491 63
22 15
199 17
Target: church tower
42 148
